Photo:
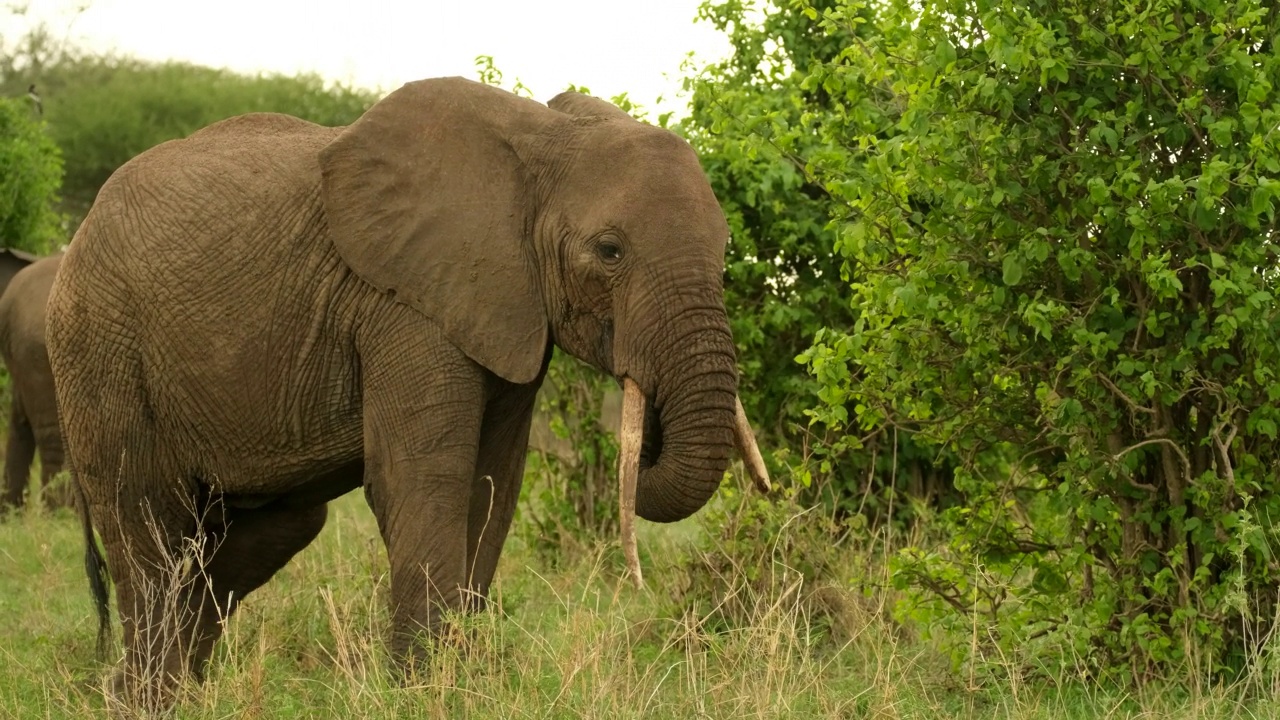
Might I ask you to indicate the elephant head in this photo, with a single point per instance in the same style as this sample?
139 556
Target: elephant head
511 224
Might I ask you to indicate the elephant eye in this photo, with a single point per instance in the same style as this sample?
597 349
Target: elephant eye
609 250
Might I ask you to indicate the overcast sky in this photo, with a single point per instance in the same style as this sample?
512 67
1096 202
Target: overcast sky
610 46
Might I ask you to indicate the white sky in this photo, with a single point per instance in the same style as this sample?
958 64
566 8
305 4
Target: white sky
609 46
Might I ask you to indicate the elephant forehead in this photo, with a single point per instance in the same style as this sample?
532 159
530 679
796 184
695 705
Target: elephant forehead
630 158
642 180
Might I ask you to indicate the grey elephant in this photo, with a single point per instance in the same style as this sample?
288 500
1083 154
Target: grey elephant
33 408
268 314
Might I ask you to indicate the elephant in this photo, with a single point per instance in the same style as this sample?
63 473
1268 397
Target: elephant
12 261
33 407
268 314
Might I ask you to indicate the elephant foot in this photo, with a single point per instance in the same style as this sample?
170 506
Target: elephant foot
130 693
416 656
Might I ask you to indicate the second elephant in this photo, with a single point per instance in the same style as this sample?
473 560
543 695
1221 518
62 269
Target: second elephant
33 409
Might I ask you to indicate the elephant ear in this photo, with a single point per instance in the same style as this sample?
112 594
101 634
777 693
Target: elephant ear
579 105
428 201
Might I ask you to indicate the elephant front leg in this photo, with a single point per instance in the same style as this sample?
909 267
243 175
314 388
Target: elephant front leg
422 427
426 535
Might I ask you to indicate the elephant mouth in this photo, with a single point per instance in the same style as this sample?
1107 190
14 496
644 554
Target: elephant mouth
640 445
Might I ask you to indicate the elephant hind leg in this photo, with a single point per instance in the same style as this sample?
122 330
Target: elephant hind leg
247 549
178 585
20 451
504 440
149 544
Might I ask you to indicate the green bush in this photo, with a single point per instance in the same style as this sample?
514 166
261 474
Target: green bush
1058 224
757 124
30 180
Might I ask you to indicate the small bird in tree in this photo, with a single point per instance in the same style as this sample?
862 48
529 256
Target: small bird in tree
31 93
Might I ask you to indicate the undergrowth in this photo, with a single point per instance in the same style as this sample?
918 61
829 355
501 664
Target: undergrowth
754 608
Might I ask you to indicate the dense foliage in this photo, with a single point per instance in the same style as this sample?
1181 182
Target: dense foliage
1033 242
32 171
781 274
1056 220
752 119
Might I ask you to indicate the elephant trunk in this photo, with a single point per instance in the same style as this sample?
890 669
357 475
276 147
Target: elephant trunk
685 445
631 441
694 400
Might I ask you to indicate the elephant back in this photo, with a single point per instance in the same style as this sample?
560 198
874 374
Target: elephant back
22 305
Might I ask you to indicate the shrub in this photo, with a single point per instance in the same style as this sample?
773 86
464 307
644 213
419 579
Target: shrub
30 181
1058 224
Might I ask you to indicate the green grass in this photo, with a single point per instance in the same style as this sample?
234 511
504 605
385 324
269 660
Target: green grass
569 641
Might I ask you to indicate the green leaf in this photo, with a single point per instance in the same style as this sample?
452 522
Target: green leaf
1012 270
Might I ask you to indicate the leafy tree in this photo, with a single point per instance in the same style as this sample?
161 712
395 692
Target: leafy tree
781 260
757 122
1059 229
29 183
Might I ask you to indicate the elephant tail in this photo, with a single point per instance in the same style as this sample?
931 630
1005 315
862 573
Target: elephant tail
95 566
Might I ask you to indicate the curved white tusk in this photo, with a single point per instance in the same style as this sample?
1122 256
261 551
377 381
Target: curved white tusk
747 448
631 436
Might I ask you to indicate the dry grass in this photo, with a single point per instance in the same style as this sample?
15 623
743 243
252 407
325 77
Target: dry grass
574 642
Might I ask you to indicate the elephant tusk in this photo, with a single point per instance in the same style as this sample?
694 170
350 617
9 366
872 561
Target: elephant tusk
630 440
747 448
